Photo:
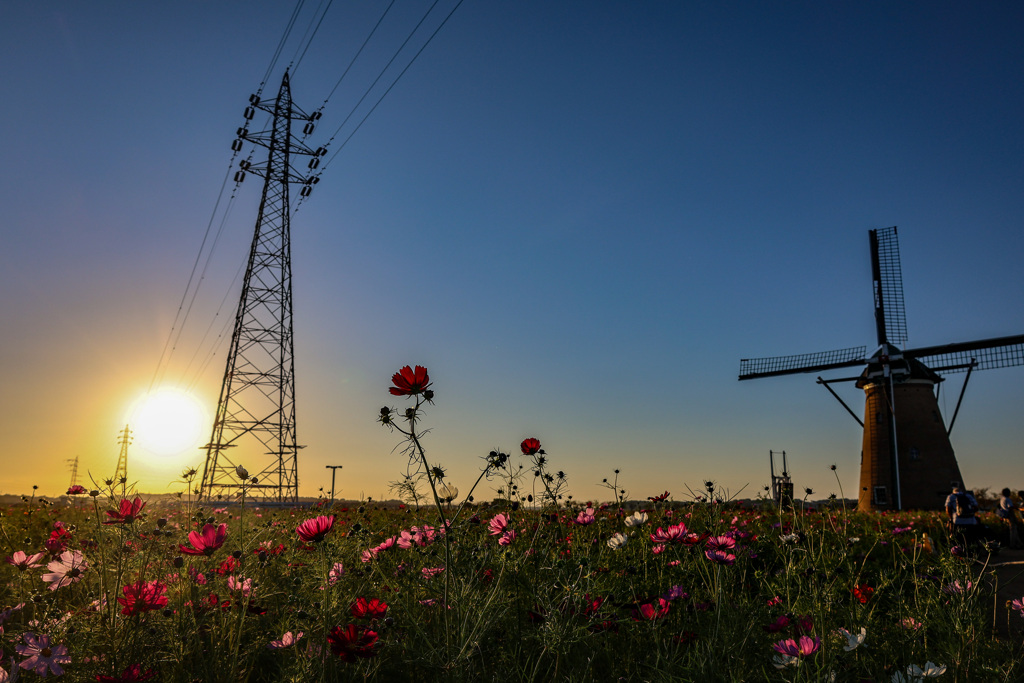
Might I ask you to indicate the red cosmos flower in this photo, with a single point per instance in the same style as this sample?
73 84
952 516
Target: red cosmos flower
126 513
207 542
863 593
75 490
530 446
409 382
351 642
658 499
133 674
362 609
142 597
651 611
314 530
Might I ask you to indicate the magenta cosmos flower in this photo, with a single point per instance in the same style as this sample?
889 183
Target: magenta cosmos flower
66 569
314 530
802 647
287 640
409 382
676 533
126 512
207 542
498 523
22 561
142 597
43 658
351 642
76 490
368 609
530 446
720 556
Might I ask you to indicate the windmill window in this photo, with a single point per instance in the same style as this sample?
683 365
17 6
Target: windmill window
881 496
915 454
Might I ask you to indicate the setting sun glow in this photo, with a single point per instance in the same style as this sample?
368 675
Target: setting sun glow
168 422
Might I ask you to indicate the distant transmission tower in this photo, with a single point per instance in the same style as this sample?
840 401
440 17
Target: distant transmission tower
257 396
124 438
74 471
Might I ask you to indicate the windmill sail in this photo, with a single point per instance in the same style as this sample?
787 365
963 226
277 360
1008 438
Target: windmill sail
984 354
753 368
890 313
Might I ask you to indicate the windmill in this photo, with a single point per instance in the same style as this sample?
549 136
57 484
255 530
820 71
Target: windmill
907 461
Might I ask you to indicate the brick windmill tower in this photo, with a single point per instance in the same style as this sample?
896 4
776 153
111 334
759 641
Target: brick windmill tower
907 461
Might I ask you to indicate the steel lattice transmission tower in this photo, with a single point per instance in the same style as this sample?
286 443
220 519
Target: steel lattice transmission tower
124 439
255 421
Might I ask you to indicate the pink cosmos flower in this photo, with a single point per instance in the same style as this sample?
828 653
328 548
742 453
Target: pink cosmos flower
287 640
498 523
431 572
66 570
674 534
337 571
126 512
721 543
507 537
207 542
1018 605
76 490
314 530
22 561
142 597
803 647
586 517
240 584
43 658
720 557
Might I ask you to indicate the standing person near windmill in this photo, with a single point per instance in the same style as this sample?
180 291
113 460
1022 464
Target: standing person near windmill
1007 511
962 509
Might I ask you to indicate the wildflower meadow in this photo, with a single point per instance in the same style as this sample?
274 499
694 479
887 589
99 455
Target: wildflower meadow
531 585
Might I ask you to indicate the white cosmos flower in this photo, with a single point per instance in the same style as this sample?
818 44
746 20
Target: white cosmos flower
781 661
930 670
637 519
617 541
853 640
789 538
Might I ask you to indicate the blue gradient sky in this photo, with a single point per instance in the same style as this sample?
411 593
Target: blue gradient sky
578 215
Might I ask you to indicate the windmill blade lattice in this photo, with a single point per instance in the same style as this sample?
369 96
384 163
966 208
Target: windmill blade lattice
752 368
1001 352
890 313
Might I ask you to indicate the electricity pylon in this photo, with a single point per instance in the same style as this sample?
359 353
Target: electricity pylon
124 438
254 425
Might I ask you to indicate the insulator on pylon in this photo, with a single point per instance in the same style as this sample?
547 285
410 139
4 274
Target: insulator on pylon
244 164
239 176
241 132
306 191
236 145
314 180
254 99
249 113
314 162
308 128
321 151
315 116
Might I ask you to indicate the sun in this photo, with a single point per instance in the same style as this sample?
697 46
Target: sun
168 422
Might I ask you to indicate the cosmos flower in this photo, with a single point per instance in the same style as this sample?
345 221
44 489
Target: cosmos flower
802 647
498 523
508 537
863 593
431 572
133 674
22 561
207 542
720 556
66 569
351 642
651 611
617 541
337 571
636 519
240 584
43 658
368 609
721 543
314 530
585 517
853 640
409 382
1018 605
76 490
659 498
141 597
287 640
673 534
530 446
126 513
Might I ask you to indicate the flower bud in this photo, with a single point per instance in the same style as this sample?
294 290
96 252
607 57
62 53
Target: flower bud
242 473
